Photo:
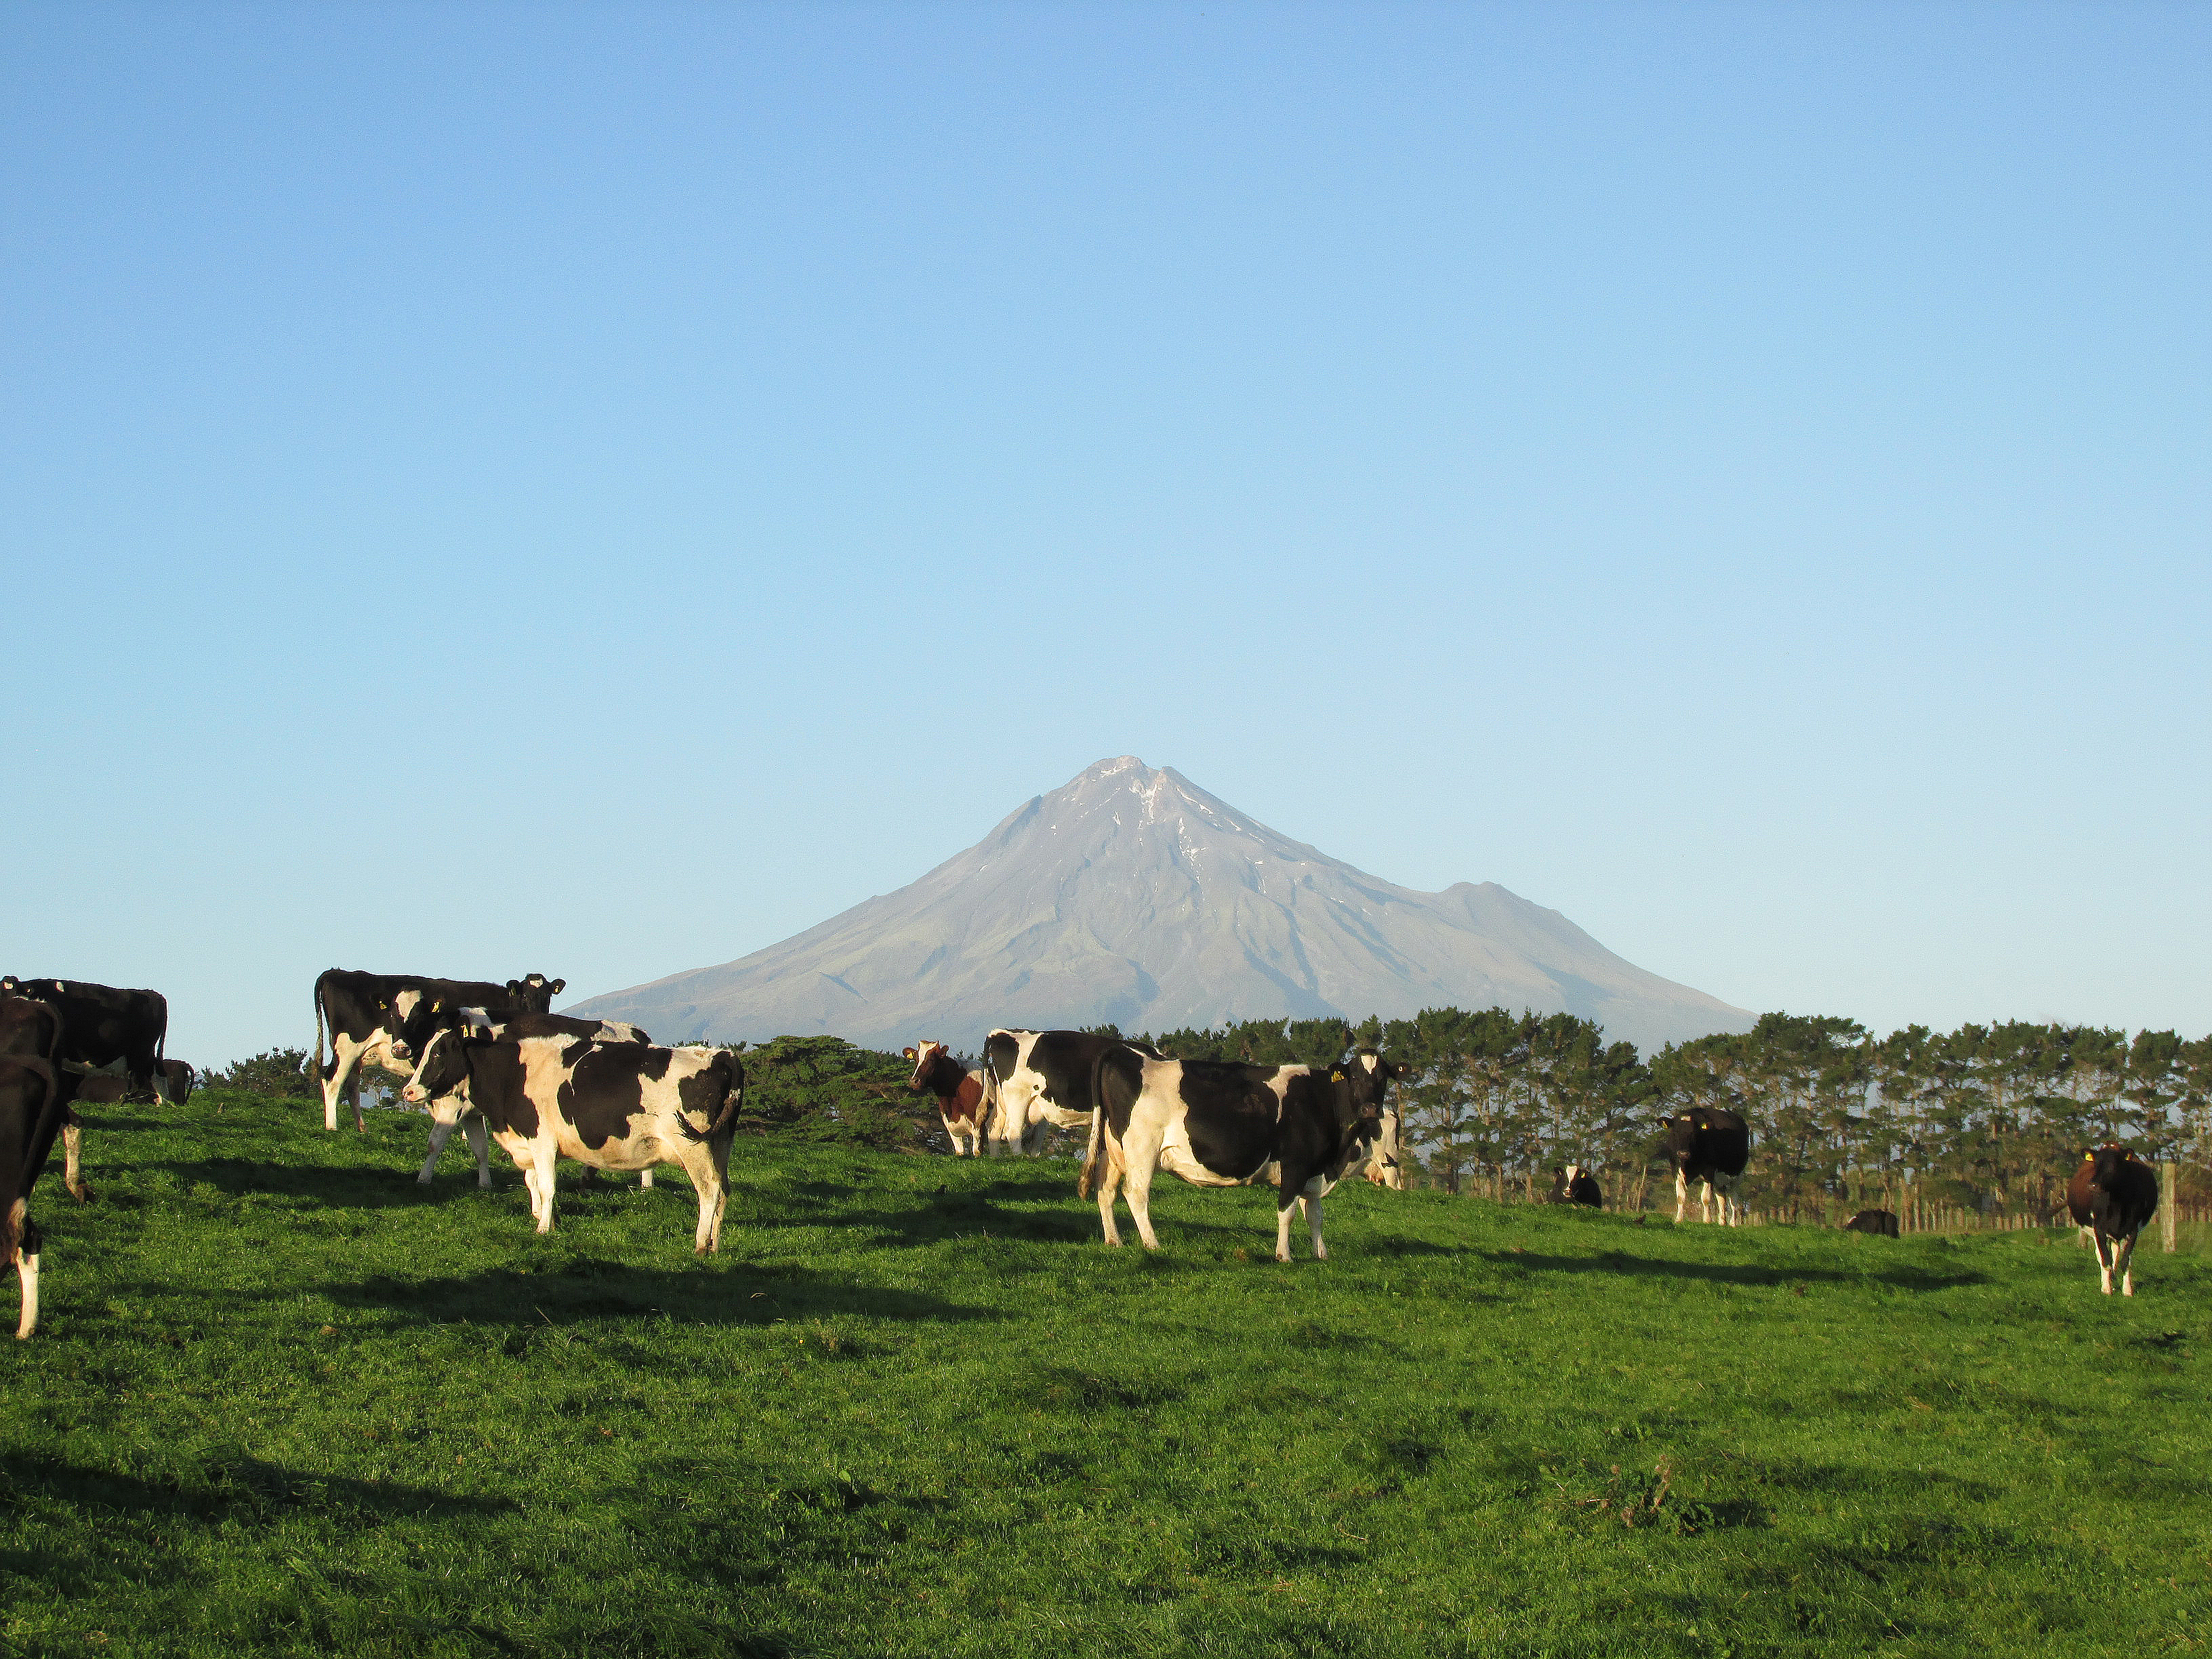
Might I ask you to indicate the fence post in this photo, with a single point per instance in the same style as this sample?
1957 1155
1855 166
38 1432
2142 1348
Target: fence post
2169 1181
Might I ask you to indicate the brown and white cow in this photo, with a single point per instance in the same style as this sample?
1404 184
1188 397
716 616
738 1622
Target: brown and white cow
1033 1078
32 1112
2112 1194
446 1111
959 1095
1219 1123
611 1105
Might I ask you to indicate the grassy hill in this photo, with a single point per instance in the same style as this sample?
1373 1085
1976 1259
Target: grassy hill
285 1399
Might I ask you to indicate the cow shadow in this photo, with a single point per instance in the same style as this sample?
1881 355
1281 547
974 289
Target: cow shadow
346 1188
1620 1262
591 1288
231 1489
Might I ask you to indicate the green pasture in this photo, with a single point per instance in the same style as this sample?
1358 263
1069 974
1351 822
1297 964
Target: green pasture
285 1399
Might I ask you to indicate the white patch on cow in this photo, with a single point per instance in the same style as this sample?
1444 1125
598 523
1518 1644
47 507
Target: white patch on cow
27 1279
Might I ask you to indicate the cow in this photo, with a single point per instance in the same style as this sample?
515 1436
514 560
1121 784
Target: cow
1712 1144
104 1029
1383 1165
31 1113
31 1028
451 1024
2113 1193
1576 1185
1031 1079
1880 1224
959 1095
1226 1123
611 1105
181 1081
384 1019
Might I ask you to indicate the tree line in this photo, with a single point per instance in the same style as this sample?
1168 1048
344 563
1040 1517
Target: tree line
1988 1117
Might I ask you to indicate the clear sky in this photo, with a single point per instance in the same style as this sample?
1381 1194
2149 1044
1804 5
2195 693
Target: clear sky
598 489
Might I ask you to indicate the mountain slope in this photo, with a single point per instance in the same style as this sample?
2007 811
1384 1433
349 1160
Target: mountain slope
1130 894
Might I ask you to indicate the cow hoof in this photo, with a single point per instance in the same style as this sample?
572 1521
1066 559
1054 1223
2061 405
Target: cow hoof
422 1181
80 1193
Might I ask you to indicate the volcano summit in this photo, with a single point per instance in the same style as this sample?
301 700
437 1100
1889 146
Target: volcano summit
1130 894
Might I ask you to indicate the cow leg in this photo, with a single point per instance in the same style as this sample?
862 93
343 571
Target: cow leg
1310 1203
1681 1196
472 1126
2104 1264
440 1129
27 1280
337 1071
1109 1183
645 1182
2123 1265
73 1161
1140 1160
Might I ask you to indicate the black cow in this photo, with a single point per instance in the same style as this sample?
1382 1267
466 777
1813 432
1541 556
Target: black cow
611 1105
2113 1194
1711 1145
1879 1222
1576 1185
32 1112
29 1029
103 1028
450 1024
1031 1079
1219 1123
384 1019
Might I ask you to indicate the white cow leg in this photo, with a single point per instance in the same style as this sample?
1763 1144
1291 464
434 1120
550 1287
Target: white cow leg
2127 1271
1140 1160
342 1059
27 1279
479 1143
1109 1183
1681 1197
441 1131
73 1161
2104 1266
1310 1203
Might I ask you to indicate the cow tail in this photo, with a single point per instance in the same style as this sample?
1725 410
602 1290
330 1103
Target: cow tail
318 1030
733 1098
1087 1181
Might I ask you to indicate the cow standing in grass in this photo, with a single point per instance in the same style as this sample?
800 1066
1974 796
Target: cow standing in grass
2113 1193
448 1109
32 1112
609 1105
1880 1224
1219 1123
385 1019
1712 1144
1031 1079
959 1095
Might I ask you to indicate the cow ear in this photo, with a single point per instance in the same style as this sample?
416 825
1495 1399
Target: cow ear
557 987
909 1053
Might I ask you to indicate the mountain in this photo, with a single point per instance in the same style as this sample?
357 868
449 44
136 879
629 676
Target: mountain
1132 896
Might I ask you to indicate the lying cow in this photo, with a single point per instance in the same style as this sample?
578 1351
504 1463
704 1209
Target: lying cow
1219 1123
1712 1144
611 1105
2113 1193
1033 1078
385 1019
1880 1224
959 1095
31 1113
450 1109
1576 1185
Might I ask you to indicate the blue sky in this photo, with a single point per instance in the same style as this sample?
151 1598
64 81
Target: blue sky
600 489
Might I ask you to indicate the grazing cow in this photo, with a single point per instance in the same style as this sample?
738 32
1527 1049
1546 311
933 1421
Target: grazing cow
959 1095
1031 1079
612 1105
1576 1185
1221 1123
449 1024
31 1113
384 1019
1879 1222
103 1029
1711 1145
181 1080
2113 1194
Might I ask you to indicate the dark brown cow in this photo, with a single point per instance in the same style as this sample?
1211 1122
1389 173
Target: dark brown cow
1879 1222
959 1095
2113 1194
31 1113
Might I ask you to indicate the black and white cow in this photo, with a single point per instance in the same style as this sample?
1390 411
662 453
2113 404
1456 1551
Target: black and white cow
384 1019
611 1105
2113 1193
1032 1078
1877 1223
450 1024
1219 1123
31 1113
1576 1185
104 1029
1712 1144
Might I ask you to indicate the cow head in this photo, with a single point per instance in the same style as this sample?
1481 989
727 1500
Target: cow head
2107 1162
534 993
924 1056
445 1064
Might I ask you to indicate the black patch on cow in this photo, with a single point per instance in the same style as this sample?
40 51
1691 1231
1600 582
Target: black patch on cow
1231 1115
605 1088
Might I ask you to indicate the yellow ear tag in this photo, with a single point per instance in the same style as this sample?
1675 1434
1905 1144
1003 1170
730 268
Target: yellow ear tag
1336 1077
435 1007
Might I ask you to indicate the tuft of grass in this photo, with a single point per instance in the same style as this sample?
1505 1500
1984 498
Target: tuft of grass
286 1401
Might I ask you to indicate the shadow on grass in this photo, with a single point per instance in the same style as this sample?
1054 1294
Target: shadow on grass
585 1287
337 1187
227 1489
1620 1262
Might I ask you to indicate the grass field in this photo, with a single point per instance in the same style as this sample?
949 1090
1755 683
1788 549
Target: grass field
285 1399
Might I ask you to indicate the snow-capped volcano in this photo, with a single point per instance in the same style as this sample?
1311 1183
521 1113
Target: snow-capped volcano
1132 895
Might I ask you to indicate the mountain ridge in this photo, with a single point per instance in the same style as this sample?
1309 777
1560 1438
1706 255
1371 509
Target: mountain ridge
1131 895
